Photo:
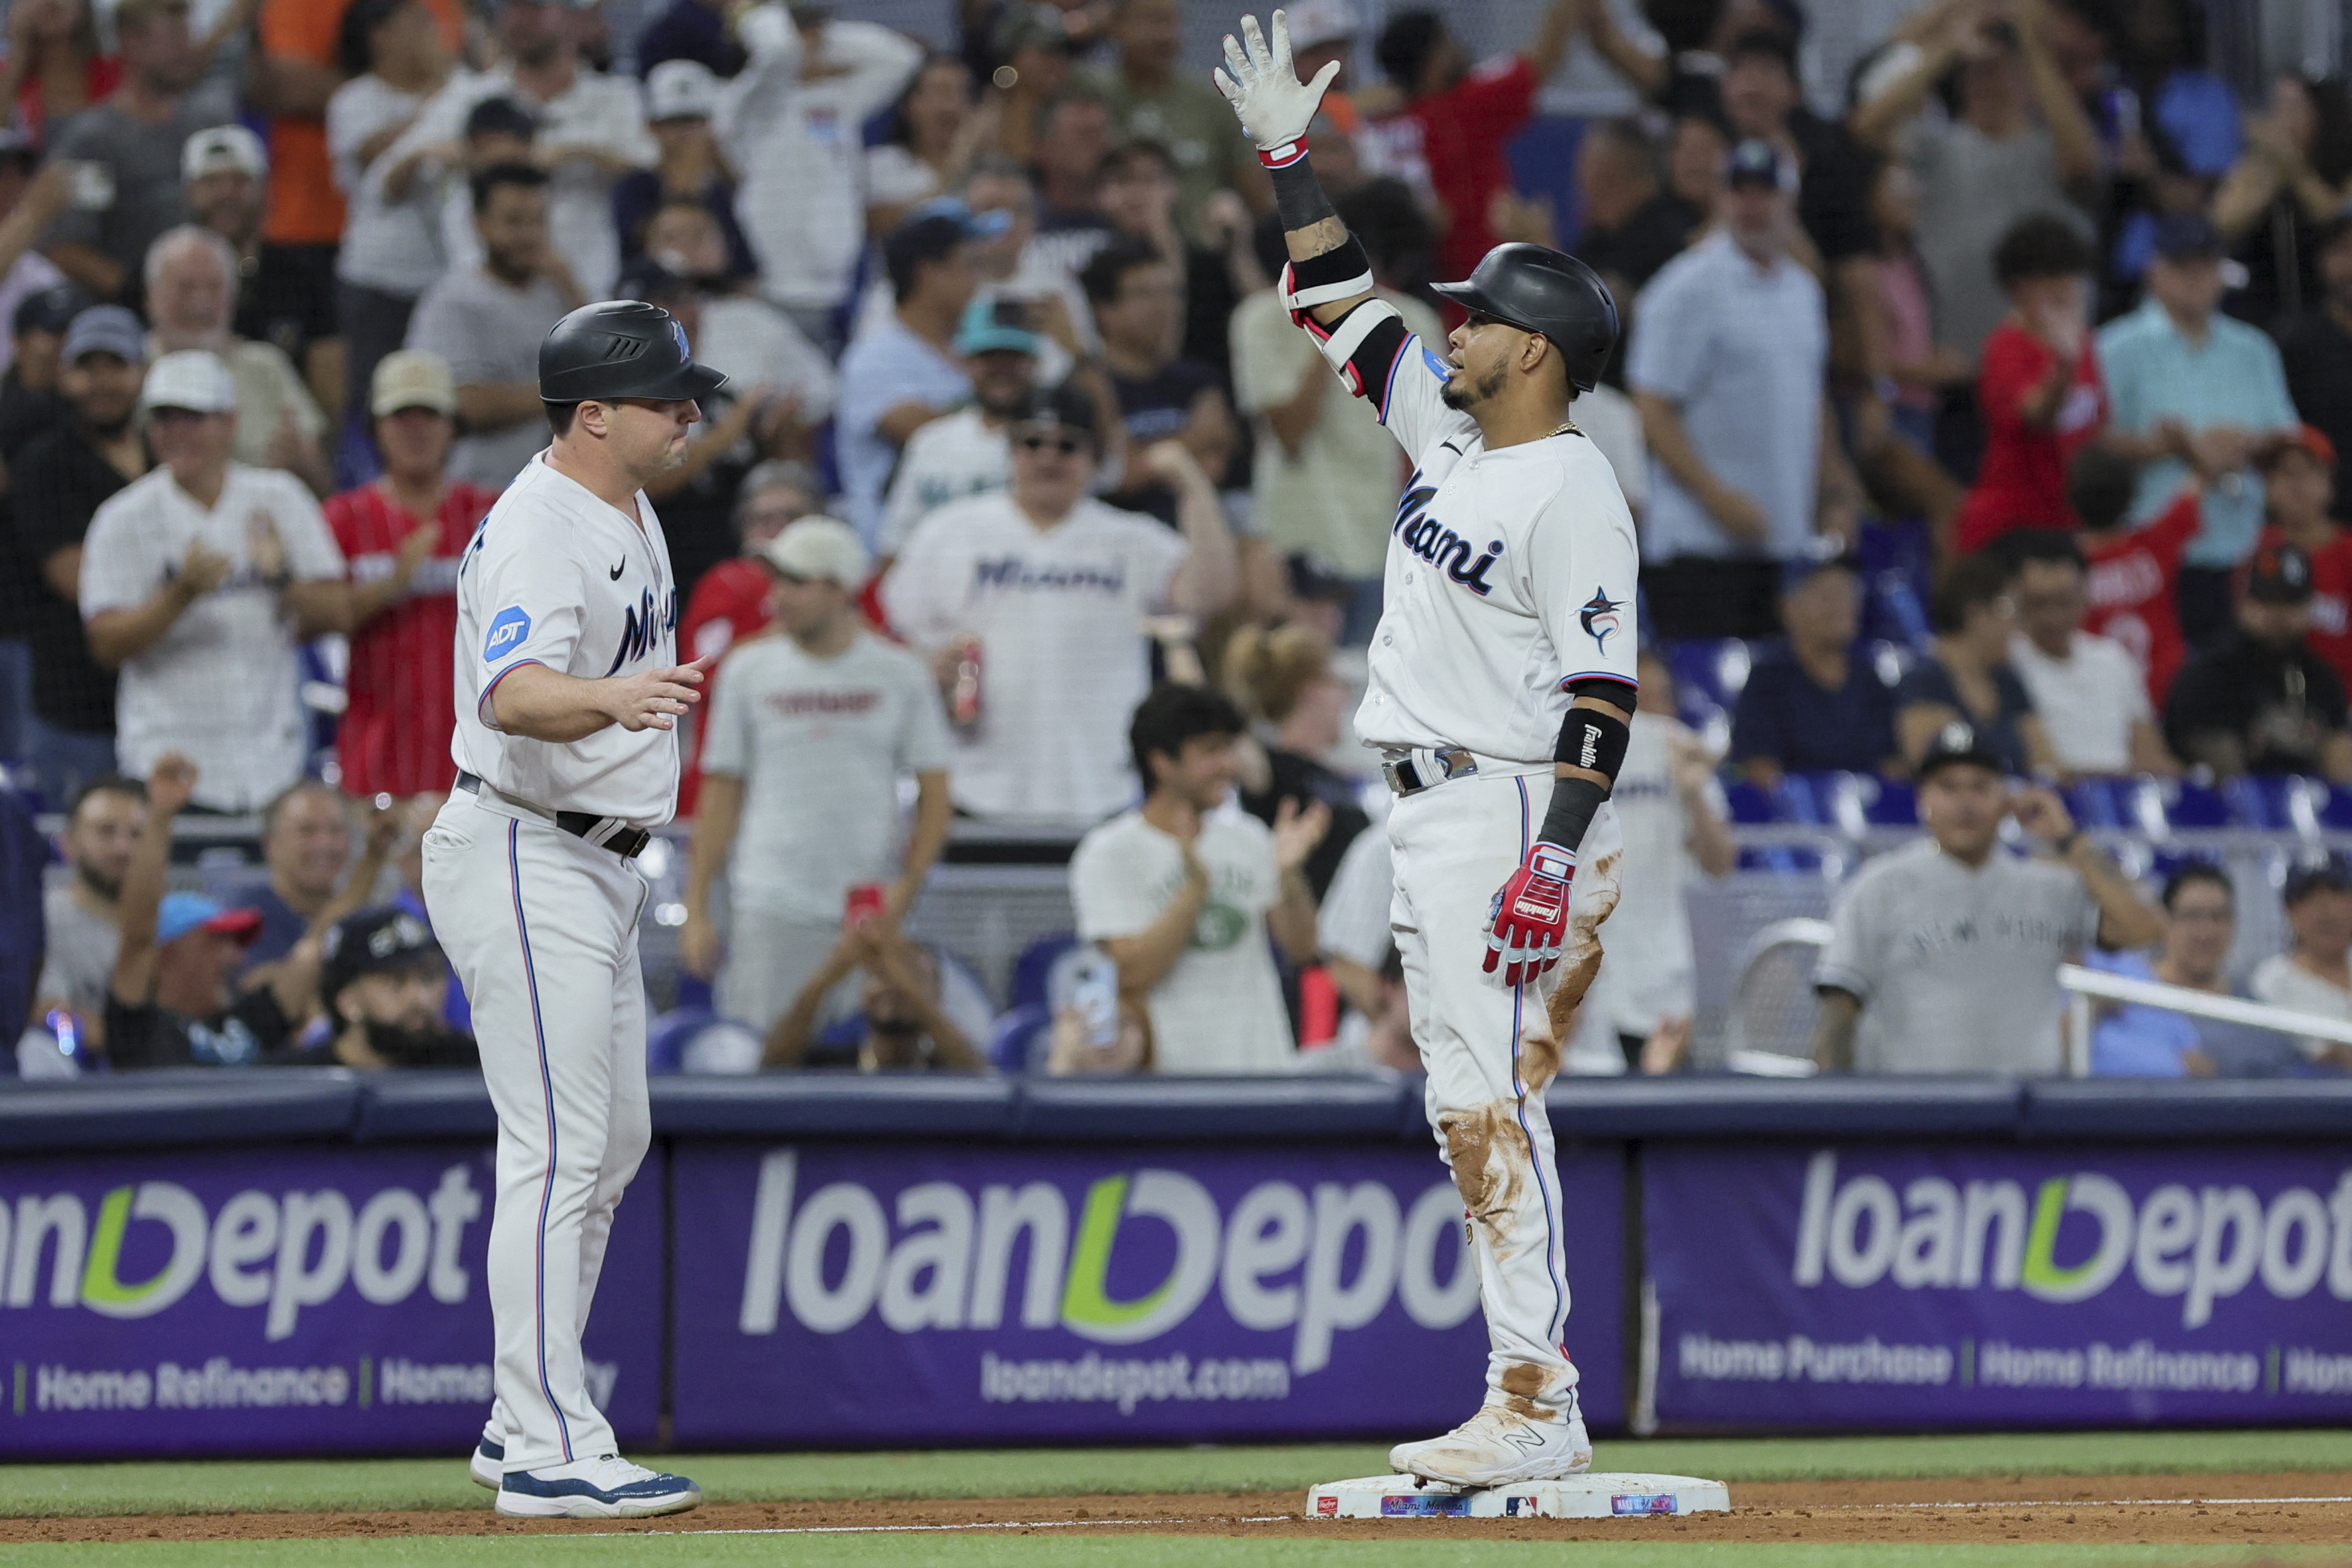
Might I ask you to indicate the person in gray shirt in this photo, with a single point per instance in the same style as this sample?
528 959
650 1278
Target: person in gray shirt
134 138
78 914
488 322
1945 954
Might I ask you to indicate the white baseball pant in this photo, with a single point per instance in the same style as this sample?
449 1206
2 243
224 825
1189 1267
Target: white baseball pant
541 930
1490 1052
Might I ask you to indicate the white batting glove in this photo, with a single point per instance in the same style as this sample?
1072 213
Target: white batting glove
1275 107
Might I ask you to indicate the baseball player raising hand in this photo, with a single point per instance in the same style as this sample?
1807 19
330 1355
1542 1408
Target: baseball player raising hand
1502 688
568 690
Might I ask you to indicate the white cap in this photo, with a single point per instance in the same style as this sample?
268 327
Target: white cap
193 379
677 90
412 378
223 149
821 550
1314 21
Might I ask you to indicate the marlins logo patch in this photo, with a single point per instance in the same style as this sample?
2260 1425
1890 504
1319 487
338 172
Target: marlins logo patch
1600 619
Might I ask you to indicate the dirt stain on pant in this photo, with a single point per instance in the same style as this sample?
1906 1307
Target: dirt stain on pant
1524 1384
1580 958
1492 1161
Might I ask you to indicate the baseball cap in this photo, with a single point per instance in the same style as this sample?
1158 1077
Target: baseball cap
2321 876
819 549
1954 743
648 279
681 89
412 378
368 943
976 225
2301 438
50 309
500 117
223 149
1314 21
1754 162
2277 574
181 912
992 326
106 330
1063 406
1795 574
193 379
2186 236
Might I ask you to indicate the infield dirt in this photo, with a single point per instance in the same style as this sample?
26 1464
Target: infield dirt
2282 1510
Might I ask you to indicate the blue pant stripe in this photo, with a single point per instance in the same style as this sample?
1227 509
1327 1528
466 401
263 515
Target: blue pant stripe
547 1188
1519 1088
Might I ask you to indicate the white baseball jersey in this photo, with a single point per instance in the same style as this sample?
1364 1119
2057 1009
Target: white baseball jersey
556 577
1509 574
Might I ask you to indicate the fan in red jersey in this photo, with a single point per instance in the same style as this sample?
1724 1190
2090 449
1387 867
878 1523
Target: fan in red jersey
402 536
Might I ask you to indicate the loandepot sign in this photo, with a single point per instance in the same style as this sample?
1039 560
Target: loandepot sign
833 1259
2067 1238
275 1253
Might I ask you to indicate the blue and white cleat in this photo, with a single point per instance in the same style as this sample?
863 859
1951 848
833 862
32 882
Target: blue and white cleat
607 1487
489 1465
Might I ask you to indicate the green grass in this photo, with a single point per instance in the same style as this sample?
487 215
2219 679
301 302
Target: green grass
224 1486
1123 1551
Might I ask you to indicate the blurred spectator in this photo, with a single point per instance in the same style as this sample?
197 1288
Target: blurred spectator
1074 138
1764 98
2196 388
1729 351
2289 184
731 601
30 401
1815 702
1137 305
935 131
2316 350
191 283
1183 892
2200 924
1139 189
1966 677
78 916
2016 143
305 842
903 1022
31 196
681 97
402 537
1028 603
1448 139
172 999
197 582
789 127
1945 953
59 481
1153 95
1699 157
740 335
2039 391
2313 975
384 986
2160 48
1913 370
903 374
56 66
392 59
228 180
1014 263
1672 812
486 322
2089 693
1282 676
1325 475
2298 488
966 452
806 742
2259 700
2133 570
134 138
691 30
1632 226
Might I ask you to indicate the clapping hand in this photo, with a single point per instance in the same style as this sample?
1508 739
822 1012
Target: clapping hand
204 569
170 784
1297 834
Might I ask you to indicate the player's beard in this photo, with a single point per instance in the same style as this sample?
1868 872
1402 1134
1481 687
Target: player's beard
1461 393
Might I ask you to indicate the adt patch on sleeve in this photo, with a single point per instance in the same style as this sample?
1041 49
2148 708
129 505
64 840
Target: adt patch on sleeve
509 630
1436 362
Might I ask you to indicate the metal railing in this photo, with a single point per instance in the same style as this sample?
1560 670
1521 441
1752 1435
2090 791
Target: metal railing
2081 986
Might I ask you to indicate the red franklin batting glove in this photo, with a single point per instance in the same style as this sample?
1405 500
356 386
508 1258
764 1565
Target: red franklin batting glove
1528 921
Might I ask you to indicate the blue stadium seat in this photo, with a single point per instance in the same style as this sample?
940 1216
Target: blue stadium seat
2335 812
1708 675
1803 798
1748 805
1016 1035
1032 969
2188 805
1893 611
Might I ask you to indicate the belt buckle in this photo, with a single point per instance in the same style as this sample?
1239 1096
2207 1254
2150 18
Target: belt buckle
1401 776
1455 762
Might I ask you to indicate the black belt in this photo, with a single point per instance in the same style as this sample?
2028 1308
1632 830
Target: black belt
1409 772
604 832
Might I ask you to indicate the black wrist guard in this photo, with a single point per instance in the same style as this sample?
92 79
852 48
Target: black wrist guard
1298 195
1573 803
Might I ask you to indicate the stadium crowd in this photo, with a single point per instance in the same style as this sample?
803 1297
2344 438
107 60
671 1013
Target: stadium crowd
2005 414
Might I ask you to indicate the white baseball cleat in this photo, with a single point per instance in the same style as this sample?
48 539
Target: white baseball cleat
607 1488
487 1467
1497 1447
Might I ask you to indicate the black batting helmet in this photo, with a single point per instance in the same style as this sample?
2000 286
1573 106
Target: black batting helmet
617 348
1538 289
